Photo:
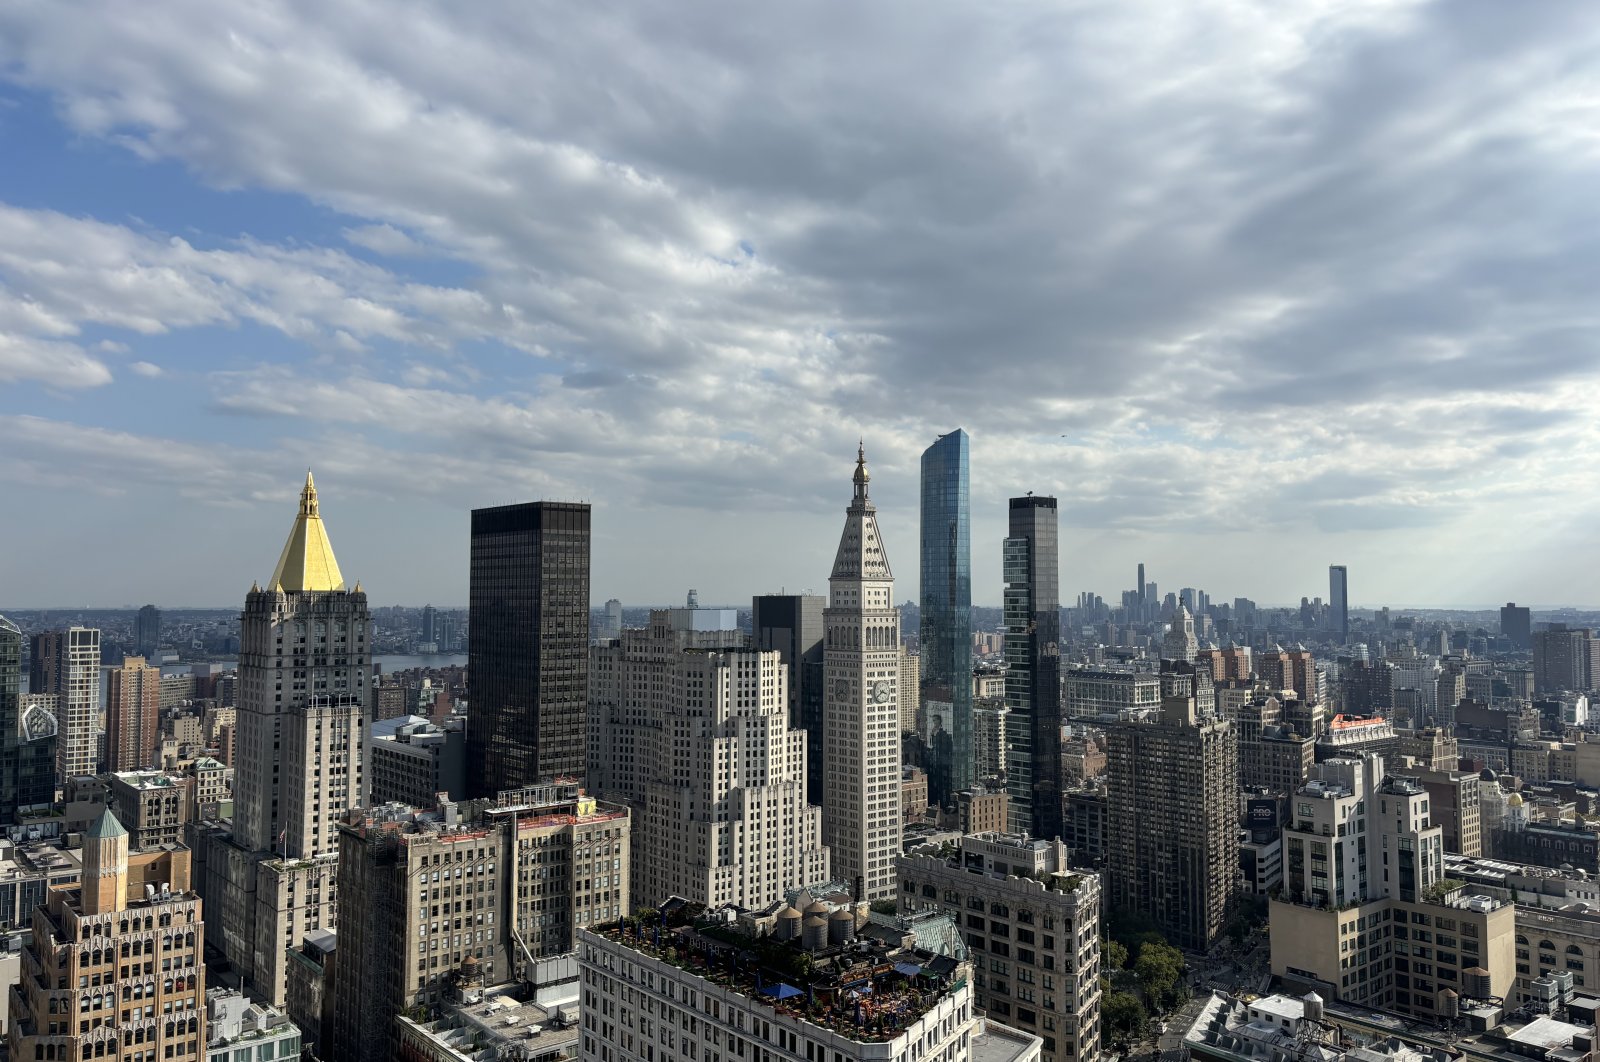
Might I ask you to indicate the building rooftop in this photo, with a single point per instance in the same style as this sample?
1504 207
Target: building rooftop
500 1026
147 779
993 1042
106 826
865 990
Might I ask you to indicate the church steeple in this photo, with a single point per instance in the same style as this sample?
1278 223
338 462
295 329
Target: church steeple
307 562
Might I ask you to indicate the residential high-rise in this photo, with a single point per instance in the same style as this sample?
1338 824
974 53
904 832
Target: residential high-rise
133 715
861 664
27 735
1172 832
66 664
945 638
1560 659
690 727
1032 612
527 645
429 634
305 660
147 632
1041 914
73 1004
1339 601
1367 915
613 623
1516 623
792 624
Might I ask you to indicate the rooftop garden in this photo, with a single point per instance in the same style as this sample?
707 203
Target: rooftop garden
867 995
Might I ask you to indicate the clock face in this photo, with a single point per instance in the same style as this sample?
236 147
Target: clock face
880 691
842 688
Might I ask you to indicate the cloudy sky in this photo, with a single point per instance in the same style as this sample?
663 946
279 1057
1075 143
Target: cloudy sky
1253 287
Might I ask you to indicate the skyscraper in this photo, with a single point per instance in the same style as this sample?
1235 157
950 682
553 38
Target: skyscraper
861 663
792 624
147 631
430 626
613 623
305 658
133 715
66 663
1032 617
1172 832
1516 623
946 635
27 739
72 1006
527 645
1339 600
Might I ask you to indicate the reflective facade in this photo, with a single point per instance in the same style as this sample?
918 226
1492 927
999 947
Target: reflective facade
1033 661
527 645
946 632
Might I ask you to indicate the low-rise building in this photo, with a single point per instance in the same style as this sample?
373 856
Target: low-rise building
411 761
240 1030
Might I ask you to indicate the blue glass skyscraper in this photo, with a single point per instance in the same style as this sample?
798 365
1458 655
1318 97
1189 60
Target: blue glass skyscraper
946 634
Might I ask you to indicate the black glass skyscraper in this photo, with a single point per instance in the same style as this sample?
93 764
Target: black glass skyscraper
792 625
946 632
527 645
1339 600
1033 667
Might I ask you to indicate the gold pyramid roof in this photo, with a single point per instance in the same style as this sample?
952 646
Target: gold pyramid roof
307 562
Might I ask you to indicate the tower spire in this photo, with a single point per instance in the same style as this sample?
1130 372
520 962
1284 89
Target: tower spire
861 476
307 561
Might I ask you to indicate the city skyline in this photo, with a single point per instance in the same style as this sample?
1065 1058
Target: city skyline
1177 268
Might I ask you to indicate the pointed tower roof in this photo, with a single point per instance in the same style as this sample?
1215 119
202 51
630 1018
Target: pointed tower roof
861 554
106 826
307 562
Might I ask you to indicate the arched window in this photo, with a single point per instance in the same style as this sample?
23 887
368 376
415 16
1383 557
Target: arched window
1545 945
1573 949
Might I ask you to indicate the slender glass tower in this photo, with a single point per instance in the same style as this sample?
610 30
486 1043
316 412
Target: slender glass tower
946 633
1033 668
1339 600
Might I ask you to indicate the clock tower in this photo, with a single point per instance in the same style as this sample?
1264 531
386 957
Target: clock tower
861 713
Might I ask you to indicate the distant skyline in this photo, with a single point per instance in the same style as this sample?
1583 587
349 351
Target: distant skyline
1251 290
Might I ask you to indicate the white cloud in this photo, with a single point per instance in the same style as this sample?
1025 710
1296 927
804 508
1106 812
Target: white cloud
145 368
1311 270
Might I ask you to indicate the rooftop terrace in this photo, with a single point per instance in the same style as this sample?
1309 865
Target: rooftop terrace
864 990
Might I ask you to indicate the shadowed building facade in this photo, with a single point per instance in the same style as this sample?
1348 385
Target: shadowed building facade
528 645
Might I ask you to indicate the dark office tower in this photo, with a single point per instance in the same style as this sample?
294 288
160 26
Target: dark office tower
44 656
1033 668
430 624
1516 623
527 645
946 630
147 632
27 738
10 717
791 624
1339 601
1139 587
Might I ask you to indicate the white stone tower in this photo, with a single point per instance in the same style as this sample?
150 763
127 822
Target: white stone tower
861 715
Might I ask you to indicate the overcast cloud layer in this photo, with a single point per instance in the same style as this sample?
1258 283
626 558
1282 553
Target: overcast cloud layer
1252 287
